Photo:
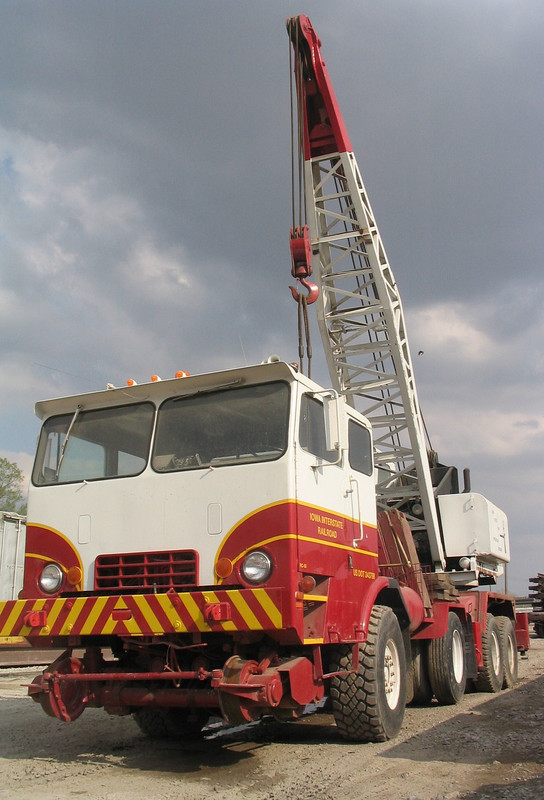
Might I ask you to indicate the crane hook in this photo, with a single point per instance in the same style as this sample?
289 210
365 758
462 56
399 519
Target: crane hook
313 291
301 264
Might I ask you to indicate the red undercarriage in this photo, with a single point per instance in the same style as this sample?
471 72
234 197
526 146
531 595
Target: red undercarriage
241 691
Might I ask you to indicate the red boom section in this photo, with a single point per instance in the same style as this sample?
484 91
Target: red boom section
324 129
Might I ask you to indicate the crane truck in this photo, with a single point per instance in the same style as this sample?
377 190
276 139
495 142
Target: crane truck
246 542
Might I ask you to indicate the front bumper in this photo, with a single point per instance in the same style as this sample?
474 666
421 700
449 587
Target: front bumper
224 610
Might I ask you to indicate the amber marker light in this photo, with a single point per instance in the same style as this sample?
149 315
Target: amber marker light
131 382
307 584
181 374
223 568
74 576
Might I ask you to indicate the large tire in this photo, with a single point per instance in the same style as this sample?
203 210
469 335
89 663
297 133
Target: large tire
422 693
368 705
539 629
491 673
509 651
446 663
168 723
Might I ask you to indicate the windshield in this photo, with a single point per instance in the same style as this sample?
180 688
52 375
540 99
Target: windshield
89 445
221 428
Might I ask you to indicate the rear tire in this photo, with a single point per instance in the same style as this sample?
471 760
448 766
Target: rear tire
509 651
491 673
446 663
422 693
368 705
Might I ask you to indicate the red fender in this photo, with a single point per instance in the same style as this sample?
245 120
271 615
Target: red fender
408 600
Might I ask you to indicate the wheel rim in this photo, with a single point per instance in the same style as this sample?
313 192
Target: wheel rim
495 654
510 654
457 656
391 672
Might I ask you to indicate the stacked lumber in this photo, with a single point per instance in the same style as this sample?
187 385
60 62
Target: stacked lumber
536 592
398 556
442 587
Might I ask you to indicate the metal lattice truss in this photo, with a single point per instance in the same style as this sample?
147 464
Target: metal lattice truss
362 325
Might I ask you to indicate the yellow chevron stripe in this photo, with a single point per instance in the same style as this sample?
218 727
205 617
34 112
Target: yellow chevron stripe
73 614
54 612
195 613
130 624
15 611
228 625
96 610
133 627
36 606
269 607
148 614
108 626
247 614
166 605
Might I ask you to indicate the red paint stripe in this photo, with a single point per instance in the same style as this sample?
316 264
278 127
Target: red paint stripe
5 611
159 612
153 607
105 614
58 624
237 618
136 614
83 616
184 614
121 629
55 629
259 611
18 624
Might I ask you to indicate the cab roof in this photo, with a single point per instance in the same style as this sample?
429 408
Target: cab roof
160 390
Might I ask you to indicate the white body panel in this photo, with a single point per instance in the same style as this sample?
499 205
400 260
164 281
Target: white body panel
472 526
12 554
193 509
153 512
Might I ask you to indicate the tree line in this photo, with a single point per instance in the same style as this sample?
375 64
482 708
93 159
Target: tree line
11 487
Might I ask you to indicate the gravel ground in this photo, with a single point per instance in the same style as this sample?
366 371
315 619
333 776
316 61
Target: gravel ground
489 747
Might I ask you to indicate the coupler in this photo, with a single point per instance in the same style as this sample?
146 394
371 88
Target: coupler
242 691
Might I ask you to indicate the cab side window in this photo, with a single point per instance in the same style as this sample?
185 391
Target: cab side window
360 448
312 429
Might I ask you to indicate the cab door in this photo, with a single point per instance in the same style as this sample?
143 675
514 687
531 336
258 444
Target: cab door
326 522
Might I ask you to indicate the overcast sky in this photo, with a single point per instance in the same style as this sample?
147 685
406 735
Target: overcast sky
145 206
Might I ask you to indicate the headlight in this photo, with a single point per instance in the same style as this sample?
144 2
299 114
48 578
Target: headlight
256 567
50 579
